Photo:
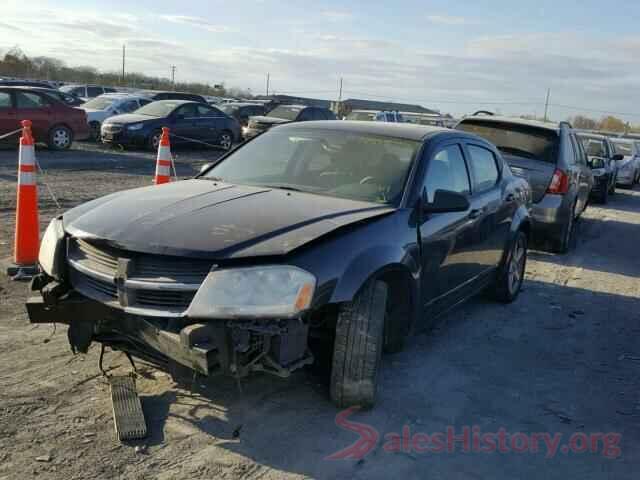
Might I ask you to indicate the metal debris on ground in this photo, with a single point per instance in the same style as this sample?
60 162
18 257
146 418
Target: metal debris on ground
127 409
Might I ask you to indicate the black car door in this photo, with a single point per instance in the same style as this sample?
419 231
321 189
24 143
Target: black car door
447 238
491 214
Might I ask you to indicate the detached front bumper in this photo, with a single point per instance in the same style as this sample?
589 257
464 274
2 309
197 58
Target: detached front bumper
216 347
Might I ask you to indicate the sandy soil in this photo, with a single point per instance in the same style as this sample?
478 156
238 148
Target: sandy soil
564 358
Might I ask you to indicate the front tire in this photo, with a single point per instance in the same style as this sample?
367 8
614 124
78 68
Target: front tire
153 142
604 197
511 275
94 128
358 347
60 138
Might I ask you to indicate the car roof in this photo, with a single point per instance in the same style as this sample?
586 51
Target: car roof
176 101
243 104
553 126
409 131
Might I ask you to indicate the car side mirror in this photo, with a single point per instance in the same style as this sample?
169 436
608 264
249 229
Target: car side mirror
617 157
447 201
597 162
205 167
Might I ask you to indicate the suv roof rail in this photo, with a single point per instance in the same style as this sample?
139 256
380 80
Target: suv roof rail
565 124
482 112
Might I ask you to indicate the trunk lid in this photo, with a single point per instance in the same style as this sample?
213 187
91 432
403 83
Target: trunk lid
538 173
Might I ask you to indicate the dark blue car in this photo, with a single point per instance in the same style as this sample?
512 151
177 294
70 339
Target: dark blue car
187 120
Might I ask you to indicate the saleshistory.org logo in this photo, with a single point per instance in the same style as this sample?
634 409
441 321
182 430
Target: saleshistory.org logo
470 439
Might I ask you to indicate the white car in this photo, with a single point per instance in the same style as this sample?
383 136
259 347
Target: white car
108 105
629 166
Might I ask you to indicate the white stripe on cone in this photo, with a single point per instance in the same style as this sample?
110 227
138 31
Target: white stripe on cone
27 155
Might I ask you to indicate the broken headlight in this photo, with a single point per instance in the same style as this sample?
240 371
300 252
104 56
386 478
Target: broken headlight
274 291
52 248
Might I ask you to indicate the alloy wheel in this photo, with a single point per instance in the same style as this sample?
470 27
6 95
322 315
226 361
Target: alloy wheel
226 141
61 138
516 266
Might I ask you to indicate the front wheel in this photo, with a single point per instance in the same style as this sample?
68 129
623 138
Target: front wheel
153 142
60 138
358 345
511 276
604 197
94 129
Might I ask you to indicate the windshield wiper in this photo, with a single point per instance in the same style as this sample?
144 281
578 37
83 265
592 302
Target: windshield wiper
283 187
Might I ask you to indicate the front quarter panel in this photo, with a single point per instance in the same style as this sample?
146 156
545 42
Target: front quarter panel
345 260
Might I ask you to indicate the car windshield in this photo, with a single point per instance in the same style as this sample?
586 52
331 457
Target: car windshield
349 165
286 113
159 109
228 109
622 148
593 146
72 89
99 103
515 139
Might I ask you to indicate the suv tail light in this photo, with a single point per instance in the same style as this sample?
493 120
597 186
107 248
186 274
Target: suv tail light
559 183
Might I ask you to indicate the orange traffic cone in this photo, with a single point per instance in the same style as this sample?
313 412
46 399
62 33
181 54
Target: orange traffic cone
27 236
163 164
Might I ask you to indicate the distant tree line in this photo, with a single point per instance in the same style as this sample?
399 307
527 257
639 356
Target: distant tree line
15 63
607 123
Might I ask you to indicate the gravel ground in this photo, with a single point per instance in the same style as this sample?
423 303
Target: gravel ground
564 358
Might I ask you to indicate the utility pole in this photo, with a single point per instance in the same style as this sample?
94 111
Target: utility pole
546 105
340 93
173 76
123 57
268 78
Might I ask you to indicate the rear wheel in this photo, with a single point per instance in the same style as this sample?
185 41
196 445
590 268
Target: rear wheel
226 140
358 347
511 276
604 196
60 138
564 243
94 128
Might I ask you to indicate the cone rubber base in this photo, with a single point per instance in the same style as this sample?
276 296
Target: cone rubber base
18 272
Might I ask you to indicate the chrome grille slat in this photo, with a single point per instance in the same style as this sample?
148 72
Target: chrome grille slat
157 285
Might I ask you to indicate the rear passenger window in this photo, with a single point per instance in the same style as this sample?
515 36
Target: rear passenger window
485 169
94 91
30 100
447 171
5 100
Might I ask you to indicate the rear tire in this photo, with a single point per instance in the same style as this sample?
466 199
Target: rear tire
358 347
604 197
563 244
226 140
60 138
511 275
94 128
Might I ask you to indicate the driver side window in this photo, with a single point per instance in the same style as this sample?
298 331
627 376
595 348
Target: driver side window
187 111
447 171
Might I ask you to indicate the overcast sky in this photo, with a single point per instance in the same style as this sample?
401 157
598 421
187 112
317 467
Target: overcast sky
453 56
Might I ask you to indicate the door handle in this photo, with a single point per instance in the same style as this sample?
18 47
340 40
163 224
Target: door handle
473 214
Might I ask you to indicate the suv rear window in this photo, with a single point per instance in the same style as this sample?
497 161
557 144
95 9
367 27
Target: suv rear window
513 139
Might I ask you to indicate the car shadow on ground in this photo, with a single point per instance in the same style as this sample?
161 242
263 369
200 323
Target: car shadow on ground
554 361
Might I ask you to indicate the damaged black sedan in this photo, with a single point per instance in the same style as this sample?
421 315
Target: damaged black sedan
334 237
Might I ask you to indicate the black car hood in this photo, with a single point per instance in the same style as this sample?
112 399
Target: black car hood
206 219
273 120
130 118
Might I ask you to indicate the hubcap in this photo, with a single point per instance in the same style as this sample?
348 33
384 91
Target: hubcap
225 141
516 266
155 141
61 138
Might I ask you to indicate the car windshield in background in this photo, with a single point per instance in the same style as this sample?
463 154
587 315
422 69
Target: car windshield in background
228 109
593 146
622 148
99 103
513 139
73 90
158 109
286 113
354 166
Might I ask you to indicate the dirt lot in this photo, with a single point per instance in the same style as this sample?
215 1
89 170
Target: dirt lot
564 358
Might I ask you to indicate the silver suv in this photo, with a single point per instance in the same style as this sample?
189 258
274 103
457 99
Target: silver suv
551 158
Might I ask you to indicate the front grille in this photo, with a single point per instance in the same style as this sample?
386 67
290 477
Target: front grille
164 299
158 284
